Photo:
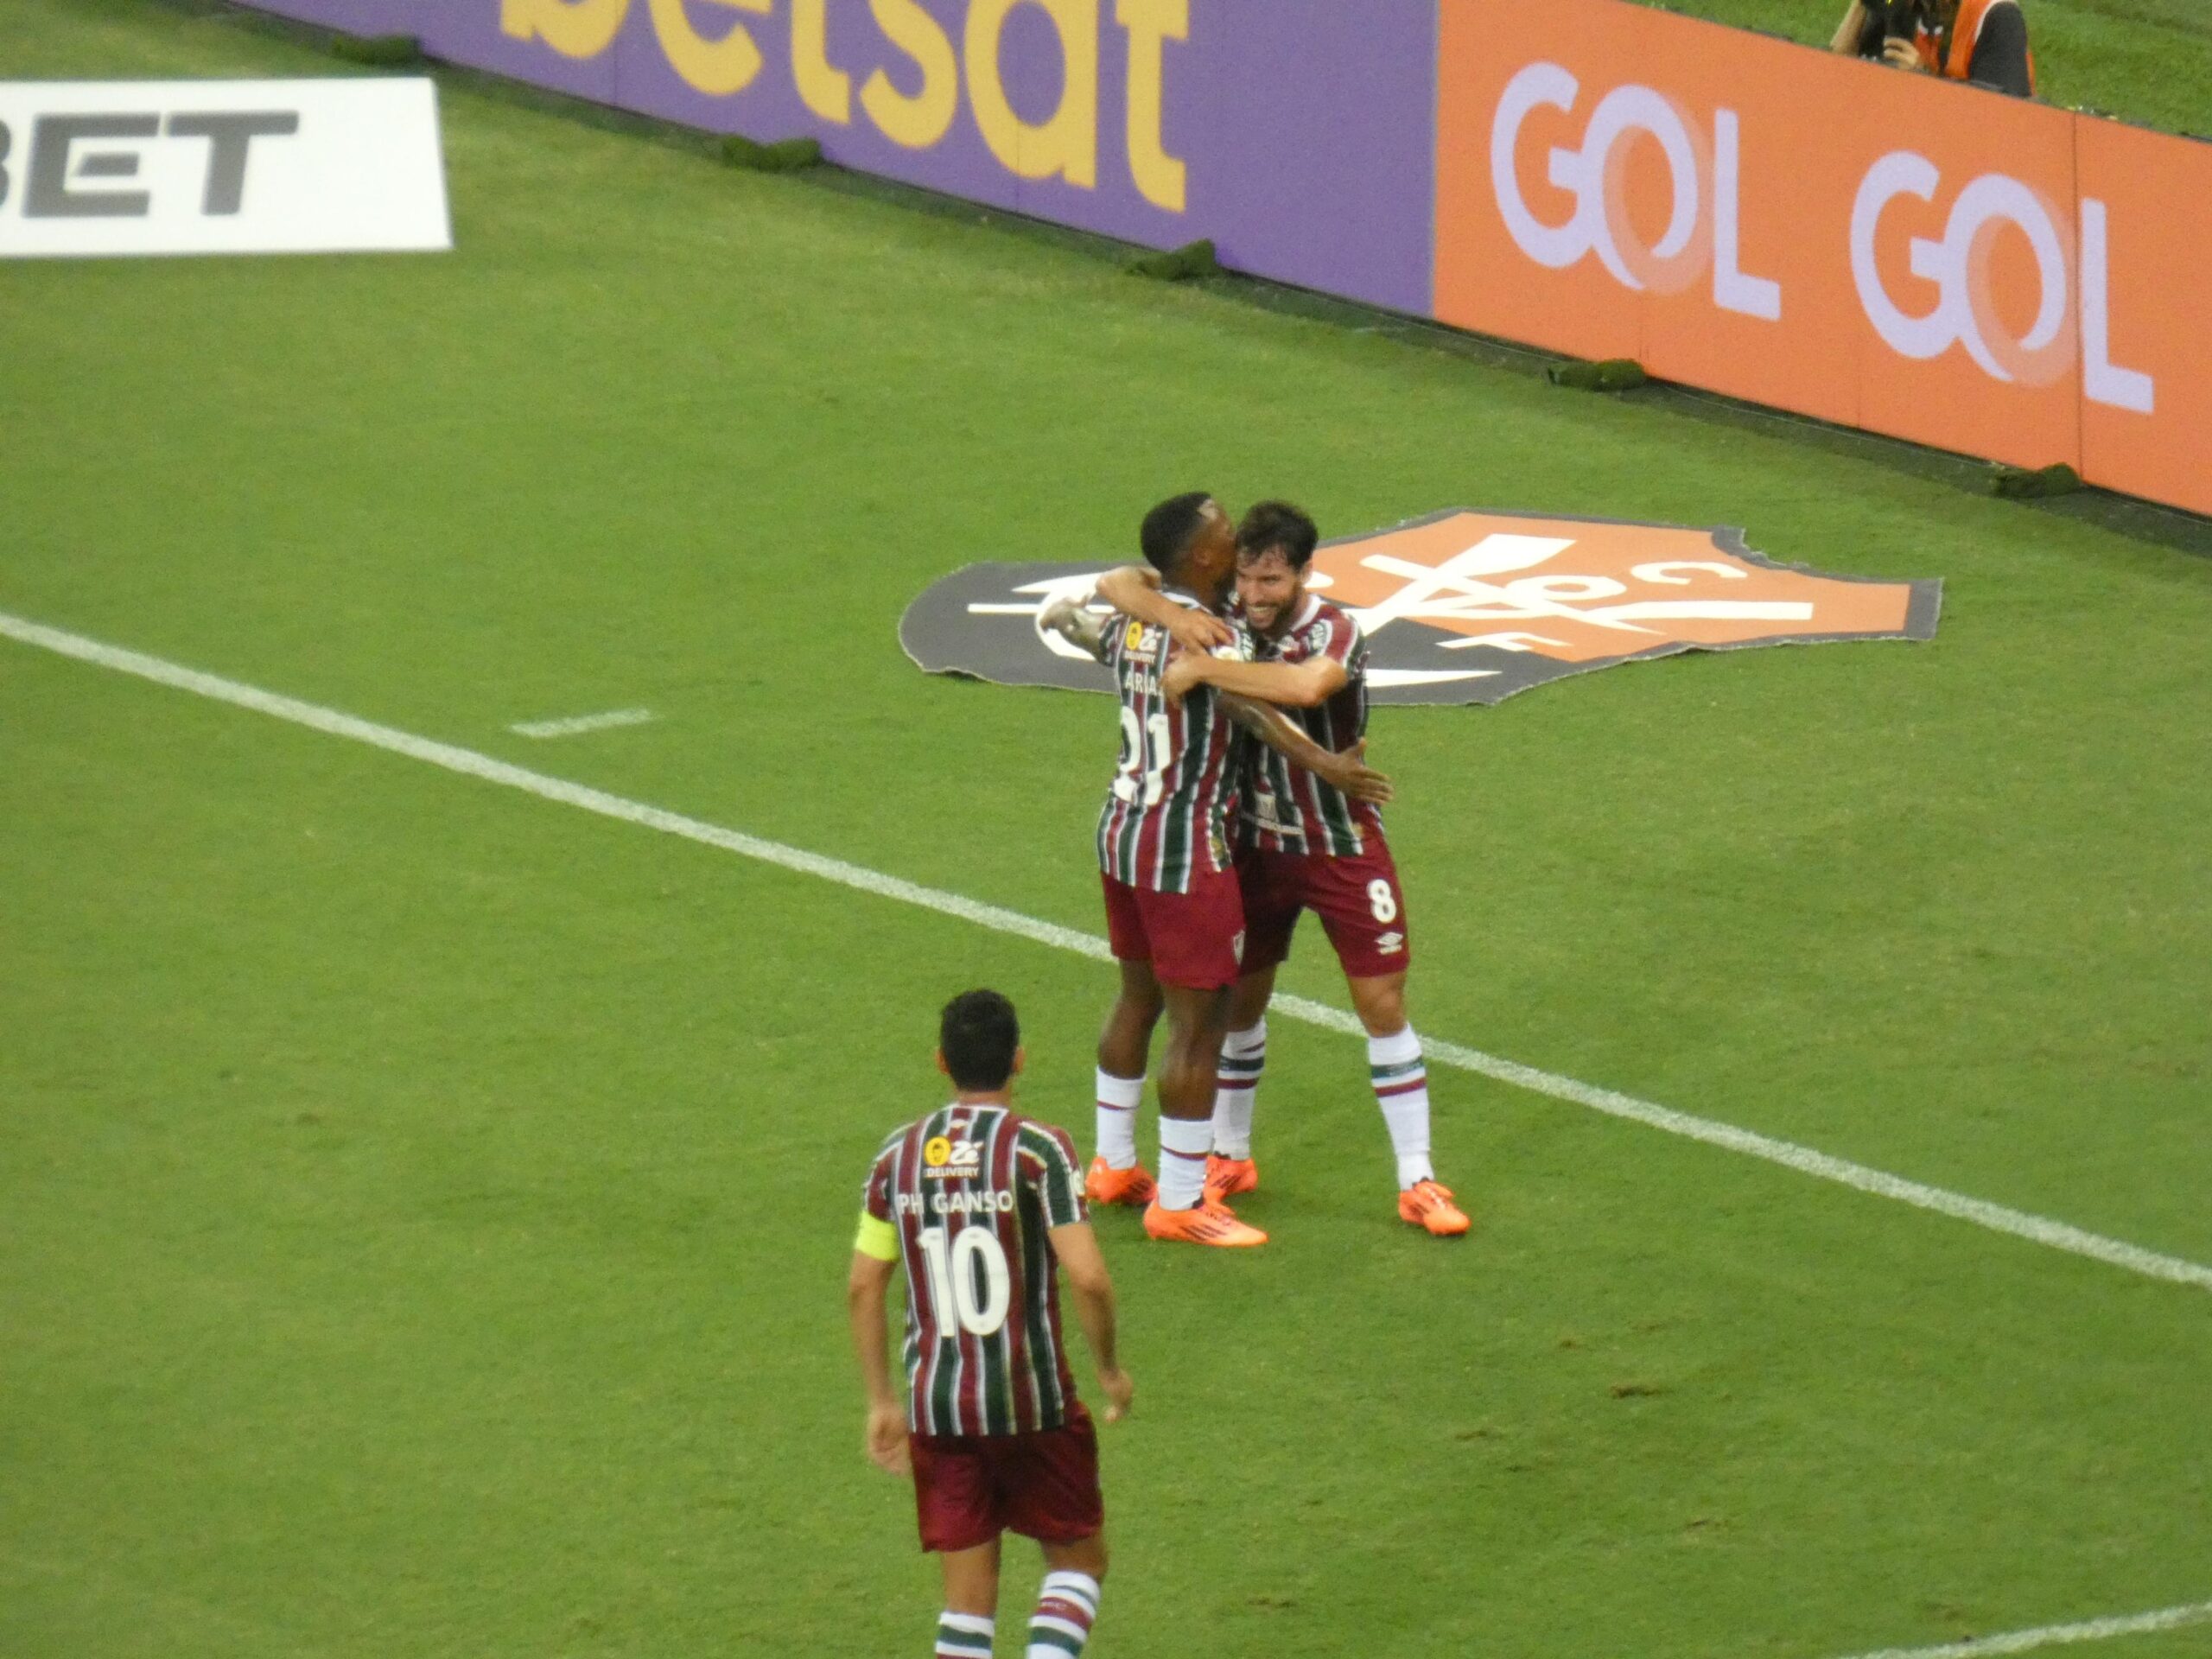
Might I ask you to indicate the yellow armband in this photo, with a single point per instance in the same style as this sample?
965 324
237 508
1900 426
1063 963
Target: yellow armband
877 1238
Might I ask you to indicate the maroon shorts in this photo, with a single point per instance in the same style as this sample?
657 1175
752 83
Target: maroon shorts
1357 899
969 1488
1191 939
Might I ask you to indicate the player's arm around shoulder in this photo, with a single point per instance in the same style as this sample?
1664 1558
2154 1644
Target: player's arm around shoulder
1290 685
1346 770
1083 1270
1133 590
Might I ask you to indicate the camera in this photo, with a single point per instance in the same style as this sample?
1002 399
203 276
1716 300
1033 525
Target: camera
1890 19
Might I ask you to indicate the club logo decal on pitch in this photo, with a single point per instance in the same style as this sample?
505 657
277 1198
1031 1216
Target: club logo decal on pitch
1466 606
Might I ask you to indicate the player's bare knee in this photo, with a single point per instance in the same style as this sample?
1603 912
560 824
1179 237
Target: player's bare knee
1142 1009
1248 1001
971 1579
1079 1555
1187 1083
1381 1004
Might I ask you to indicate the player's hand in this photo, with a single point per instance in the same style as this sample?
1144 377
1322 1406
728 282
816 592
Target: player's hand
1183 672
1902 55
886 1438
1357 778
1200 631
1119 1391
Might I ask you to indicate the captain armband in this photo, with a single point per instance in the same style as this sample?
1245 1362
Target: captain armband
876 1238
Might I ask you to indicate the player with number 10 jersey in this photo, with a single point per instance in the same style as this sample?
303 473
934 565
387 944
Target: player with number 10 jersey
969 1193
983 1208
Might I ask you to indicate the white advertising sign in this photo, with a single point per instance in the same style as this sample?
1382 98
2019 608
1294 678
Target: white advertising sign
156 167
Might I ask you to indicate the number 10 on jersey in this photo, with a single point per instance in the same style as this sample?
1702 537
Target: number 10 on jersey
954 1269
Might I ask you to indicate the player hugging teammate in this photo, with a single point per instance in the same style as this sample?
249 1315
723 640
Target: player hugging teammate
1173 909
1308 837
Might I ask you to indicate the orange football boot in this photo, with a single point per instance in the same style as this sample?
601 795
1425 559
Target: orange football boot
1428 1205
1227 1177
1206 1222
1103 1184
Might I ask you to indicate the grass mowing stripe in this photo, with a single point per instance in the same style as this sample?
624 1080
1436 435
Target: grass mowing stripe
2038 1229
2052 1635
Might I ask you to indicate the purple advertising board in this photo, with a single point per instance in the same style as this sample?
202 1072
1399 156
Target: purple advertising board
1300 138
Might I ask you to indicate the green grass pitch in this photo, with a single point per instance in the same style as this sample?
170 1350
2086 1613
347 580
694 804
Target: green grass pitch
426 1206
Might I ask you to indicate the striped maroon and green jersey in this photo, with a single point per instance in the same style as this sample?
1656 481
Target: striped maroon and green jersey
1167 813
1286 808
971 1193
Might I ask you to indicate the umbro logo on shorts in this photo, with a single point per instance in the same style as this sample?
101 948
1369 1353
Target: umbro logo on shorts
1466 606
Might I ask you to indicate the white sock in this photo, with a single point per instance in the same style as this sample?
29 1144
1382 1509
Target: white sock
1118 1099
1066 1607
1184 1142
1400 1080
964 1635
1244 1056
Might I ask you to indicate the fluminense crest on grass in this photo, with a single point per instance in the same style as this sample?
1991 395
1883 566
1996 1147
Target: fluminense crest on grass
1466 606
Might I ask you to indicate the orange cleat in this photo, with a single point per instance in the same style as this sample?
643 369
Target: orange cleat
1206 1222
1428 1205
1103 1184
1227 1177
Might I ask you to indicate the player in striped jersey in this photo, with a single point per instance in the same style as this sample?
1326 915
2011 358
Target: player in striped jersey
983 1208
1172 910
1306 845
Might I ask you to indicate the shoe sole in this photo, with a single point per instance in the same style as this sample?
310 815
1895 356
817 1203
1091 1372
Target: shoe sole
1208 1244
1449 1232
1127 1200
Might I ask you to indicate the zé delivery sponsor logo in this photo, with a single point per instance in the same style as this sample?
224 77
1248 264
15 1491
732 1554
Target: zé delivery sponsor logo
947 1159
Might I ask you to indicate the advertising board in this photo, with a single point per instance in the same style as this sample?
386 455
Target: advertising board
1932 261
124 167
1924 259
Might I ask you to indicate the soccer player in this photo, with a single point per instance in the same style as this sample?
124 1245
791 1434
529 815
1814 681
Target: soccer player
1307 845
983 1208
1172 910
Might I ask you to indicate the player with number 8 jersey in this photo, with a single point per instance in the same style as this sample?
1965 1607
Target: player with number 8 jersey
1309 845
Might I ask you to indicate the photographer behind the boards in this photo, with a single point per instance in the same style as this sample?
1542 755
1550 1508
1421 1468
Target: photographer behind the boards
1985 41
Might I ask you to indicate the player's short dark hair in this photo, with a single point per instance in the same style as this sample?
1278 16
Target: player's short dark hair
1278 527
978 1034
1171 527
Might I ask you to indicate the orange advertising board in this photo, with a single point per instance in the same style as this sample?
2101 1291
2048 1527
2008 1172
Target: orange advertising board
2149 198
1921 258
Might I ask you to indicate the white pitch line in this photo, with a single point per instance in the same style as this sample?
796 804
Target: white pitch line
575 723
2052 1635
1997 1217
